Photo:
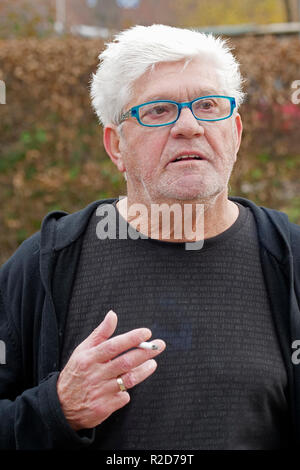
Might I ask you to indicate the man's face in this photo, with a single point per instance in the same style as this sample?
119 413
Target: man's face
147 154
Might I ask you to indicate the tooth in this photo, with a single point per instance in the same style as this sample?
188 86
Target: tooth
187 156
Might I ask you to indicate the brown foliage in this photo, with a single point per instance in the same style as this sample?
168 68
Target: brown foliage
52 155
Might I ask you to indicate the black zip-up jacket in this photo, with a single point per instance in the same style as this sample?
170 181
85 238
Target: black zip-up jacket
35 289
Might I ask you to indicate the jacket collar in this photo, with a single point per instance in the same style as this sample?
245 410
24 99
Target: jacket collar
273 229
59 228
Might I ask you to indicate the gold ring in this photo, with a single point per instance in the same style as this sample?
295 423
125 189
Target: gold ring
121 384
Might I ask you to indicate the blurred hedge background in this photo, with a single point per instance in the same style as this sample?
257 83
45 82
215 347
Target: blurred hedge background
52 155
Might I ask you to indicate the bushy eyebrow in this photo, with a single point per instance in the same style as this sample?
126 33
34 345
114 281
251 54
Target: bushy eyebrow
167 96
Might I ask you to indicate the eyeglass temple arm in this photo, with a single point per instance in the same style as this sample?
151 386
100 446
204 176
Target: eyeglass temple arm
125 116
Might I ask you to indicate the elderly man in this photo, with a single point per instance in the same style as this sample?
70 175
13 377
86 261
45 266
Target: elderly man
218 283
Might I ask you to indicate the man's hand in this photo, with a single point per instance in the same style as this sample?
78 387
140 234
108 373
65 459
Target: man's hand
87 387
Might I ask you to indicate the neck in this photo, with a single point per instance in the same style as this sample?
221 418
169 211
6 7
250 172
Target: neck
178 221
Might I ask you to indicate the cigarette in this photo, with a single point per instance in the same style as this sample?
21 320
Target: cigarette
145 345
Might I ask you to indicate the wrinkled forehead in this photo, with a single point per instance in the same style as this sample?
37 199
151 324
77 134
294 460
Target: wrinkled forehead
168 80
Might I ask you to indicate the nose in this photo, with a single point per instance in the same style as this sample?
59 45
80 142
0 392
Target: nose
187 125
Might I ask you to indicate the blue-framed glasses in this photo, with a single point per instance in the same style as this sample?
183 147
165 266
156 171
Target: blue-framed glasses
165 112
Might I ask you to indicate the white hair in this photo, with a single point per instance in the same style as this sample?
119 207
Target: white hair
137 49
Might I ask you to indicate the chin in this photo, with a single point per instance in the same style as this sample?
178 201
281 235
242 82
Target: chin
197 193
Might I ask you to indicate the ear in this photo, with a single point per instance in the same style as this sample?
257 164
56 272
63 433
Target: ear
111 141
238 130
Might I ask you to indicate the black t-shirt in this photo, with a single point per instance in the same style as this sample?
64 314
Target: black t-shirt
221 382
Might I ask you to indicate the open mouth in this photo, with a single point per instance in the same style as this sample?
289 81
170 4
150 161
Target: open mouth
187 158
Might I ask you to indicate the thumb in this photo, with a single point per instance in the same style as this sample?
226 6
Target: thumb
103 331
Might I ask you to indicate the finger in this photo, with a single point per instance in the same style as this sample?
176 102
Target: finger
130 379
139 374
111 348
116 401
132 359
102 332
